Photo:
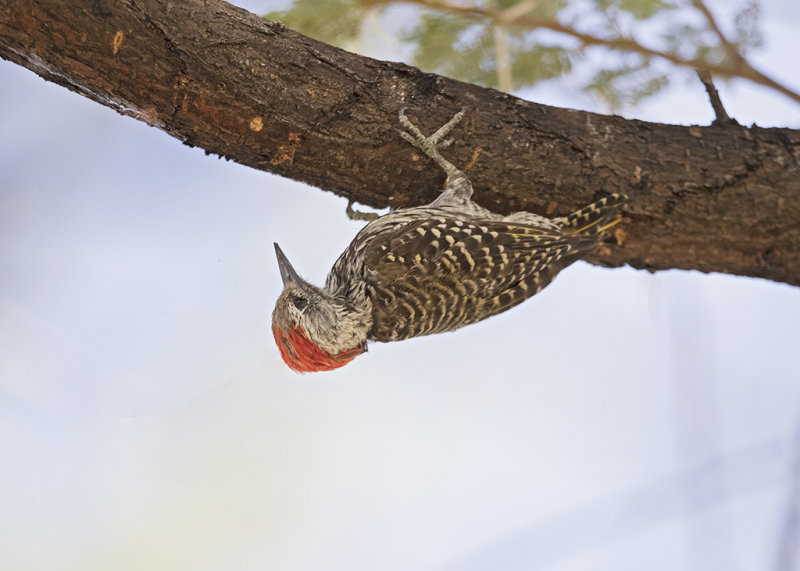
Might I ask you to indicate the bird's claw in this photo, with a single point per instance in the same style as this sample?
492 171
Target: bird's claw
436 142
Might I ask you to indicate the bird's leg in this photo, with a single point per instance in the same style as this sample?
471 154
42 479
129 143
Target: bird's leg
354 214
458 186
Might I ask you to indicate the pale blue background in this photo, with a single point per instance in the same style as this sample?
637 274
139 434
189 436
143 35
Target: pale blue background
619 420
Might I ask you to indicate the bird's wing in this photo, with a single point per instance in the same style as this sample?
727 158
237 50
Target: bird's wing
441 273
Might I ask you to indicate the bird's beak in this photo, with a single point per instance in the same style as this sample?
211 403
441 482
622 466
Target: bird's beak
287 271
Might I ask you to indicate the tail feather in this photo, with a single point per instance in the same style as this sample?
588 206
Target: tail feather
595 218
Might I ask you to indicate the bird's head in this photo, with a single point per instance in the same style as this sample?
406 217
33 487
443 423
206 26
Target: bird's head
314 330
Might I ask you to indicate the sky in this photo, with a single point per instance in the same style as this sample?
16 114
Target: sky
618 420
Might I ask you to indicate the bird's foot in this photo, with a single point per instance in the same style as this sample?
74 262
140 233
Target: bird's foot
436 142
433 144
354 214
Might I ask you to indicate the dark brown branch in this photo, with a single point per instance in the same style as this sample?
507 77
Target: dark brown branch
718 198
713 97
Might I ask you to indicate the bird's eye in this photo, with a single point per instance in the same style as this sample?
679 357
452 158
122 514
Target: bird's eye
299 302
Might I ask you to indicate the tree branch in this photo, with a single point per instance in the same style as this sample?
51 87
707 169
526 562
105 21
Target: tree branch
729 48
713 97
718 198
736 65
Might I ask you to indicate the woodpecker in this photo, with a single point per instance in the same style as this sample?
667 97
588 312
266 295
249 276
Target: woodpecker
428 269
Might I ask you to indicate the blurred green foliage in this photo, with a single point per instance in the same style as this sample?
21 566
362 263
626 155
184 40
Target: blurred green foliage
472 45
335 22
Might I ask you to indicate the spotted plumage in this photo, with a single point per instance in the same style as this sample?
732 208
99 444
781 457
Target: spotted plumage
428 269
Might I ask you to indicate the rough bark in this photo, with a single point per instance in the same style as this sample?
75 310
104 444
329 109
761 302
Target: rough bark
721 198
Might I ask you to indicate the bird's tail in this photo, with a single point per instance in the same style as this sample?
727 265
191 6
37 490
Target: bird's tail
598 217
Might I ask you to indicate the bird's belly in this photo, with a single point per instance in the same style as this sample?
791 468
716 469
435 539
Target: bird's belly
413 312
